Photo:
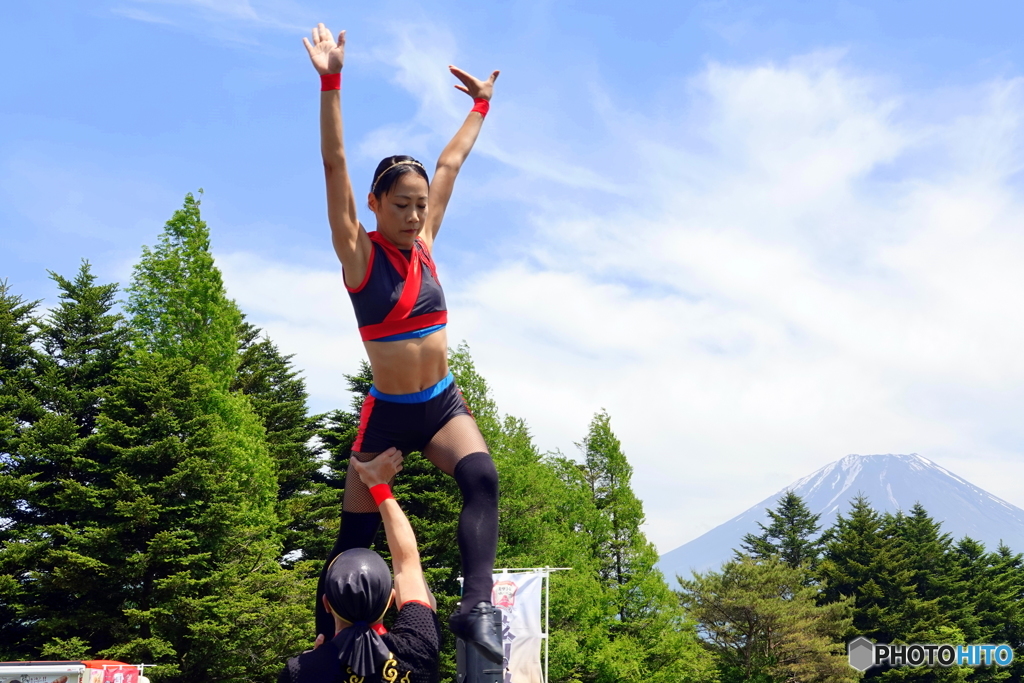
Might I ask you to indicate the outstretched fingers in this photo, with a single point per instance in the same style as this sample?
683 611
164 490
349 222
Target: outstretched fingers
472 86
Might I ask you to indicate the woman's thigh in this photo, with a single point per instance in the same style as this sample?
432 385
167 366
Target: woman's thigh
357 494
455 440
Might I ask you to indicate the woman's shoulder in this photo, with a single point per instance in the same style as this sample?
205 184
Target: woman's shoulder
314 666
415 632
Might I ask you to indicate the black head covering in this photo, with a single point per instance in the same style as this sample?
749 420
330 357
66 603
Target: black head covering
358 588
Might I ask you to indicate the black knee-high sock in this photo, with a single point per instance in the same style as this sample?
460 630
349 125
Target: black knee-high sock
478 526
358 529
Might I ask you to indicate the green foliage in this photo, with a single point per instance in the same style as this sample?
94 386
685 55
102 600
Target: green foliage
909 585
20 369
764 624
615 530
166 497
791 535
139 495
307 506
177 298
73 648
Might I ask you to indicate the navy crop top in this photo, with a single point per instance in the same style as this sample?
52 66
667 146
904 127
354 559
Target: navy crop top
400 296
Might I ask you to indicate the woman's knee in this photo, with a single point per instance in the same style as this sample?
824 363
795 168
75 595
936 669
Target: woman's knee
476 472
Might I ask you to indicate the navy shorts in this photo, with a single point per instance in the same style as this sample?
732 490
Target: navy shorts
407 421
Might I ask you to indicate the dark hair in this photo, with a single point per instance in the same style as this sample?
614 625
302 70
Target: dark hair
390 168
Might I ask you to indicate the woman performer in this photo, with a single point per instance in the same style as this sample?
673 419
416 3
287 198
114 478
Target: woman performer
358 593
390 276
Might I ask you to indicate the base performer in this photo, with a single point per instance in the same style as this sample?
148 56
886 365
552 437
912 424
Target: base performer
358 592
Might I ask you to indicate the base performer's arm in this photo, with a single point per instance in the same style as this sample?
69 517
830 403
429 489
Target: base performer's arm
405 556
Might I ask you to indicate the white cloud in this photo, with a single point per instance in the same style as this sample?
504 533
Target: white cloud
229 19
305 312
789 269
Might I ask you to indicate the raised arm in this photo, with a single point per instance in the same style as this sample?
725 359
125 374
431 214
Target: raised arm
405 556
456 151
350 240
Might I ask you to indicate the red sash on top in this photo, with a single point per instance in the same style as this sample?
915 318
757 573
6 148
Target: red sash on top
397 320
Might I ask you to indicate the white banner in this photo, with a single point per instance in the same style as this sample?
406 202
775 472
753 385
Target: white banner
518 596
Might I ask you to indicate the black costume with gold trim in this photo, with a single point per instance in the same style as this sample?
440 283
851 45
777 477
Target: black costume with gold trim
414 642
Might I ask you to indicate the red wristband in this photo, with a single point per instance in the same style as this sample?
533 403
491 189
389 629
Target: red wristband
380 493
481 105
330 81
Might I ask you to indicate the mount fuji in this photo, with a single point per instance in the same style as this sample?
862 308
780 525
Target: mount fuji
890 483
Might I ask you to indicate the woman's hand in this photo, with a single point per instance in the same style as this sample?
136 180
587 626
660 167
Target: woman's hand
327 56
381 469
473 87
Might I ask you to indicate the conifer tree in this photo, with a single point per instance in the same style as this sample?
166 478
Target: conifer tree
937 576
649 637
306 504
177 298
20 367
141 497
154 536
83 343
792 534
994 584
869 558
618 538
764 623
181 310
188 537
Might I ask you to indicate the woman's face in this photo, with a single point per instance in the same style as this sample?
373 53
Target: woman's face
402 212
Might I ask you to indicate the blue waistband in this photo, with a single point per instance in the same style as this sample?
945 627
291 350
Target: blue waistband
419 396
425 332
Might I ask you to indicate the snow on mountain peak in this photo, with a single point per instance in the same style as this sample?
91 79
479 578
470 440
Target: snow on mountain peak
891 483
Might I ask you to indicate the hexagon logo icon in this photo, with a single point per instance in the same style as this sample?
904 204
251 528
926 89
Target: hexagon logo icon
861 652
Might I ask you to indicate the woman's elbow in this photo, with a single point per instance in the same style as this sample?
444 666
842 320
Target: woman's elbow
449 165
333 166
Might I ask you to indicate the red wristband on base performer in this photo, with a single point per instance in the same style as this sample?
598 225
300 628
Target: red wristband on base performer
380 493
481 105
330 82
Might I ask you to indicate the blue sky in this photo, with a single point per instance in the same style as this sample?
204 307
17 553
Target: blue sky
762 235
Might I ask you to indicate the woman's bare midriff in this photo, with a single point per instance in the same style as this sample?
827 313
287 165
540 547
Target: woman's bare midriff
410 365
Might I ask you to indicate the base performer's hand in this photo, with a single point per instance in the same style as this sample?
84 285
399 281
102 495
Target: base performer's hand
380 470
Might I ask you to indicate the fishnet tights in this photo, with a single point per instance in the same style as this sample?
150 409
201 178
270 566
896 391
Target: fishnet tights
455 440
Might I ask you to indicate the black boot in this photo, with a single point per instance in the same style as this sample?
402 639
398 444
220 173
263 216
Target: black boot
477 626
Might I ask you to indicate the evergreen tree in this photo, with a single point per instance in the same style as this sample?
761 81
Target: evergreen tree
177 298
184 534
868 558
20 367
617 536
648 636
995 589
141 521
764 623
937 576
792 534
306 505
83 343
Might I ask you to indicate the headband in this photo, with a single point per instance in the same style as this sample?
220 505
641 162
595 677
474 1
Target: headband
412 162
